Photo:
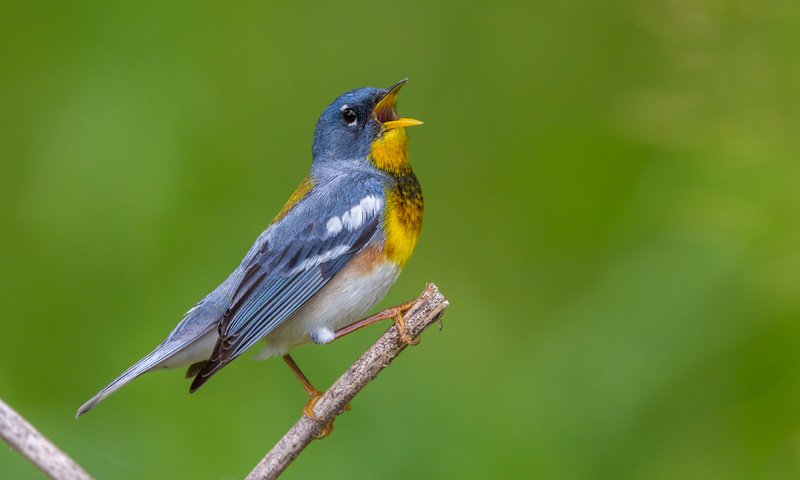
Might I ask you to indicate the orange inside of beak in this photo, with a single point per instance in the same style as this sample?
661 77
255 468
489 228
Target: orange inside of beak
385 110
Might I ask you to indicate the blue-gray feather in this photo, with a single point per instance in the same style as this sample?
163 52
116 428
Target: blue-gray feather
268 286
277 284
334 141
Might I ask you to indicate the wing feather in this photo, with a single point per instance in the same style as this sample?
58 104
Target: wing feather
278 282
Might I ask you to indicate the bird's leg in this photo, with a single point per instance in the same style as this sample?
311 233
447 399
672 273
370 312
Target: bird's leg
395 313
313 395
312 392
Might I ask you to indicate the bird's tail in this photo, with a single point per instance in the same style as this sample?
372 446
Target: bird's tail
142 366
172 352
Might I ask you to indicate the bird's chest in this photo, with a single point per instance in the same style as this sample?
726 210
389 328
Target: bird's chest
403 218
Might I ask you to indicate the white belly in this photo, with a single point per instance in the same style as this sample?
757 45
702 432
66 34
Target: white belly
343 301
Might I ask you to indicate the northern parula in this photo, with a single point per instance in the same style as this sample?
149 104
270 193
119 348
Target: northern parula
330 254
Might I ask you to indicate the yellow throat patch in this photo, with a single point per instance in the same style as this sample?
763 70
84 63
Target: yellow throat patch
390 152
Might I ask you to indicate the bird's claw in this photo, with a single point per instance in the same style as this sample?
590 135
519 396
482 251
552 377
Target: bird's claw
308 411
402 331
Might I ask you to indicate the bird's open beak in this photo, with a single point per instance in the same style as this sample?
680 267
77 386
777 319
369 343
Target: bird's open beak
385 113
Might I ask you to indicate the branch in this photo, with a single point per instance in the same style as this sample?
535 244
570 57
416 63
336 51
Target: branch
426 310
31 444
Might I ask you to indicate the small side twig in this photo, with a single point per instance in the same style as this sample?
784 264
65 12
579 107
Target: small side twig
40 451
427 309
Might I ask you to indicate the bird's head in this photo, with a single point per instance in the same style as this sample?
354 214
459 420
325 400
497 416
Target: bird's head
363 124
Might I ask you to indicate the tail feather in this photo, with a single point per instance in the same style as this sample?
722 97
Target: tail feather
206 371
199 321
138 368
195 368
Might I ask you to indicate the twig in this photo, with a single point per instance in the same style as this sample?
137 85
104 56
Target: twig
427 309
31 444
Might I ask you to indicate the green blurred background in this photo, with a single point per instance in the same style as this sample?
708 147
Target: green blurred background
612 210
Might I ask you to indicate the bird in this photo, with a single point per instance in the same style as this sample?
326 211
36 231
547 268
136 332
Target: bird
330 254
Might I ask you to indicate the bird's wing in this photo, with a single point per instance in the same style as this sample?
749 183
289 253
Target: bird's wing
281 276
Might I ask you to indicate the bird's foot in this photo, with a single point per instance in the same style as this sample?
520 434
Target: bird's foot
308 411
400 323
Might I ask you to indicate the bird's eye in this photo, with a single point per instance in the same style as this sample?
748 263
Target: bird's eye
349 116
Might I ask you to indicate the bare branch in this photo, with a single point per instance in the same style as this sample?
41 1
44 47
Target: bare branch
25 439
426 310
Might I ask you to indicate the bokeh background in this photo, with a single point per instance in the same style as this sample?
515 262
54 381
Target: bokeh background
612 209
